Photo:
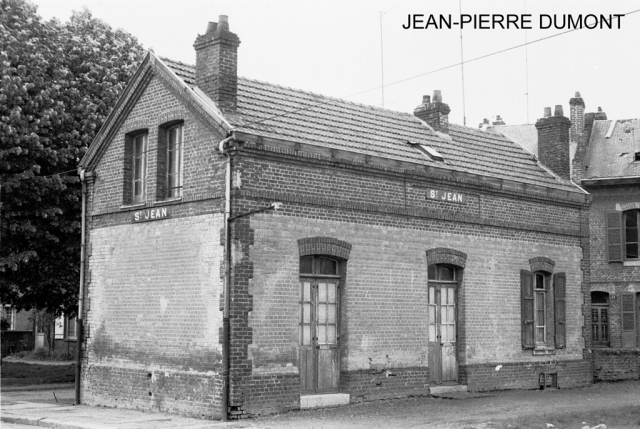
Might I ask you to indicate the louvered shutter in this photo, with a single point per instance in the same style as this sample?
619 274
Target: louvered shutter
528 315
614 236
628 319
560 295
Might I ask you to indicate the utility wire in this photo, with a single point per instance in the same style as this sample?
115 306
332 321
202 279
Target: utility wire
422 74
318 104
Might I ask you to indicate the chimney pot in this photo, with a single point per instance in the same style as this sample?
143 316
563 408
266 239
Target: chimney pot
599 109
434 112
577 94
547 112
211 27
558 111
223 23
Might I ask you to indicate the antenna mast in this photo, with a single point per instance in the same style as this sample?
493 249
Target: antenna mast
464 114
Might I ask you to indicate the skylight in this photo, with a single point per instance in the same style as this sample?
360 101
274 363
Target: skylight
427 150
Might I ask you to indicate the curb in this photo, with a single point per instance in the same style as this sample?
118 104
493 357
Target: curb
33 387
51 423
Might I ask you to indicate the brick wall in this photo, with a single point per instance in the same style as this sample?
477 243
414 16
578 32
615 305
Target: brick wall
152 315
615 365
390 226
153 289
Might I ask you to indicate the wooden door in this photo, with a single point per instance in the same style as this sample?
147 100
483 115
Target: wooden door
318 352
442 345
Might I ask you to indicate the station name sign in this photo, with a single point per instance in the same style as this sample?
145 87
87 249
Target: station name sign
151 214
448 196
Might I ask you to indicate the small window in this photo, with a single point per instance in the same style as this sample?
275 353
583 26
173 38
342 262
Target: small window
318 265
135 164
427 150
600 319
138 167
636 156
443 273
70 328
541 309
170 160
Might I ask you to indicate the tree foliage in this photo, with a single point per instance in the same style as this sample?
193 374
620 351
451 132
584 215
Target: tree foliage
58 83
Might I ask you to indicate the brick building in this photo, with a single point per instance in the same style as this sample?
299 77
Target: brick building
607 165
252 248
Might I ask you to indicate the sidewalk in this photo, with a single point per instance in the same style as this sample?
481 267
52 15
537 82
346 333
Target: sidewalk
22 408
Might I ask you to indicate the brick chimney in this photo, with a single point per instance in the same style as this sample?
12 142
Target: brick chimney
498 121
435 113
576 107
600 115
217 64
553 141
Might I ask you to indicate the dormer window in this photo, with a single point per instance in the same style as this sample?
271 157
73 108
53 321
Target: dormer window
427 150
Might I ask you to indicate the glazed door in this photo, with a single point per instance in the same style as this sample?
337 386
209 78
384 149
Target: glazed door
318 356
443 361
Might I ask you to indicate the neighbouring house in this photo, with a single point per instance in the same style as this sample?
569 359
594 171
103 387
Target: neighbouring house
605 161
253 248
607 165
19 333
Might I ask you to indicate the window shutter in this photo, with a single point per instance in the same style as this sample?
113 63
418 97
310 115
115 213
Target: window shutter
614 236
560 293
526 289
628 319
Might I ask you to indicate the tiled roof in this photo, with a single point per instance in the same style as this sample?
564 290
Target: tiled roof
290 114
613 156
525 135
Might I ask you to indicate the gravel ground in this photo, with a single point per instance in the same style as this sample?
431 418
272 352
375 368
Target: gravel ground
474 412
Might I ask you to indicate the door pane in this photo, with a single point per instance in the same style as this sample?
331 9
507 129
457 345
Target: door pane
306 313
332 314
306 335
446 273
322 313
306 291
432 295
451 293
322 292
332 292
331 334
432 333
322 334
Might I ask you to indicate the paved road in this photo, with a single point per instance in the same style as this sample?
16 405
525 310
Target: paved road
465 411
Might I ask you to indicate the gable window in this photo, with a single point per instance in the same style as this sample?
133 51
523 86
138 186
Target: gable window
135 166
139 167
543 310
170 152
600 319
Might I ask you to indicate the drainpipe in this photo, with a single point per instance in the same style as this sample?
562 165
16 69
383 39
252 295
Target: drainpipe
226 325
79 326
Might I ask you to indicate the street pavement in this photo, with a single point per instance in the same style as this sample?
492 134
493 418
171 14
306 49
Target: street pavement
54 408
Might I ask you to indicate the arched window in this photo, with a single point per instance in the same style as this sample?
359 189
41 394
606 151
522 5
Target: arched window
600 319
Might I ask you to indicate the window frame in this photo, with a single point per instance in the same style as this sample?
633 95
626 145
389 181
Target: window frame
178 163
598 307
540 321
143 138
625 238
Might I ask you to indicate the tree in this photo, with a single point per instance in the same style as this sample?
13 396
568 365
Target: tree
58 84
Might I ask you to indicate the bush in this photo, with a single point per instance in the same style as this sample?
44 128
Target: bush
41 353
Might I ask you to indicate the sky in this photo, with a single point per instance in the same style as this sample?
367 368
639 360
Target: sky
349 49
